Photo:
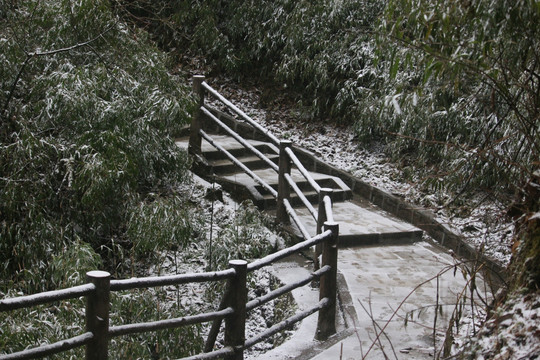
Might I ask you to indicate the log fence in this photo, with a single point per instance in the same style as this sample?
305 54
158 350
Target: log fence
234 306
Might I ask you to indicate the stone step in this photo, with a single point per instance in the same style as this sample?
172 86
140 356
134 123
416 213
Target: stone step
234 147
263 198
227 167
361 223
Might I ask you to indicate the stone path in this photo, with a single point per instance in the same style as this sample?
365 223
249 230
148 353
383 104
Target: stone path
360 222
377 281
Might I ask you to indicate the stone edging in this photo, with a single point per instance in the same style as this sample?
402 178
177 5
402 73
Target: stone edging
420 217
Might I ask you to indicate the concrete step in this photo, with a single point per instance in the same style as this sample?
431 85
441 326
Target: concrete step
361 223
253 162
263 198
234 147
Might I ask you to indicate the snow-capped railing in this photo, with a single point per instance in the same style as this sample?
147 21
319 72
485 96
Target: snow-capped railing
285 210
233 308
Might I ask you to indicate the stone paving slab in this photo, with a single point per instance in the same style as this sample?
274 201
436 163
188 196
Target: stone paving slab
379 279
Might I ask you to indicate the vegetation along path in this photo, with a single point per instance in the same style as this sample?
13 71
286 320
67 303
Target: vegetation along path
399 292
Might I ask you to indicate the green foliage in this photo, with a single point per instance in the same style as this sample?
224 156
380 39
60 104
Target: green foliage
467 88
47 324
245 237
88 107
152 305
39 326
318 48
159 225
452 87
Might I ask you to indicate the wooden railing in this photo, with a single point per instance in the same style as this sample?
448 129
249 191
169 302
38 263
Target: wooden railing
287 158
234 305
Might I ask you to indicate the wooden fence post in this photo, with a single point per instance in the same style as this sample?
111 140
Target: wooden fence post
195 139
322 217
284 191
97 315
235 325
326 324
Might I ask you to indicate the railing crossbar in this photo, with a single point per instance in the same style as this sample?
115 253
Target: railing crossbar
286 323
168 323
233 107
286 288
240 139
46 297
303 170
50 349
292 213
239 163
301 195
218 354
155 281
269 259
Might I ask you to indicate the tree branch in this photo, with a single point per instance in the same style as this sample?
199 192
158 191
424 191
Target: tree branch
30 56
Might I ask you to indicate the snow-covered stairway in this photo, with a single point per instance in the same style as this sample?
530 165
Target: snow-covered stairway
360 222
223 171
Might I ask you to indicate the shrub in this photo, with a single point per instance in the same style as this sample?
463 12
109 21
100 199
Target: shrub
88 107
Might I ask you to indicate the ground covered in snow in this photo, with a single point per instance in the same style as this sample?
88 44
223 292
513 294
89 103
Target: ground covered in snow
512 334
226 231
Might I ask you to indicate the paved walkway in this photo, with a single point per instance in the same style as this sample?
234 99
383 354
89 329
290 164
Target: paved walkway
360 222
380 283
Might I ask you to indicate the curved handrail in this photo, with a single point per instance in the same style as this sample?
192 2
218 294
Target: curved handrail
328 208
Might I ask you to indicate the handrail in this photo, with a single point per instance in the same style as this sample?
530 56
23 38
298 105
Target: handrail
230 105
169 323
328 208
269 259
292 213
301 195
218 354
303 170
46 297
325 302
238 138
155 281
51 349
286 289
